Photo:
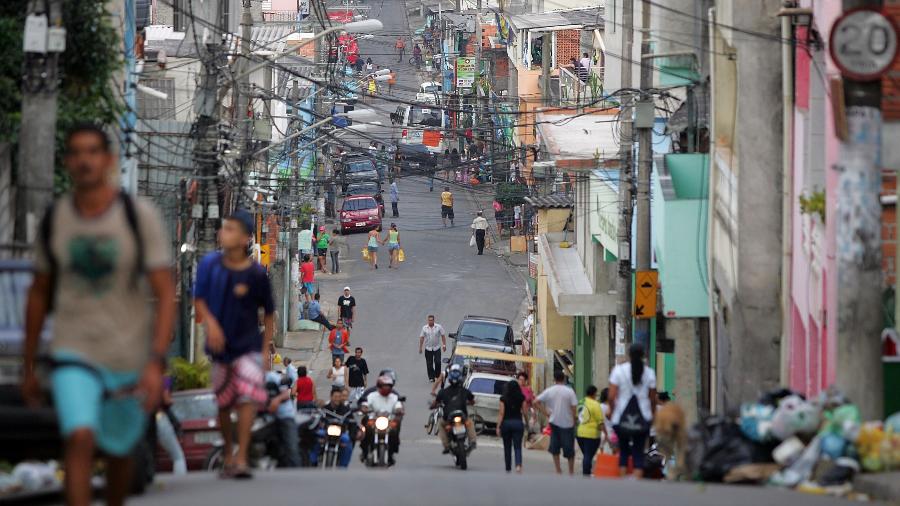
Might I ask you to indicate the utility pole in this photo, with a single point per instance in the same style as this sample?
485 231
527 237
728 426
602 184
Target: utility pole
644 168
242 93
206 160
37 133
623 281
127 160
859 299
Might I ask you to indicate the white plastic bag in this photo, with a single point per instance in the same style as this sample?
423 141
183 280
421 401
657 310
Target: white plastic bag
472 241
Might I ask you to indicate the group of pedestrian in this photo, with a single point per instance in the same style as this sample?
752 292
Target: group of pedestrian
627 407
391 239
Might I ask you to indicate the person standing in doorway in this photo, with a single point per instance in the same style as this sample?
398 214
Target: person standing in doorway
346 307
479 230
558 403
510 424
337 246
632 394
432 341
308 277
95 248
395 199
590 428
447 206
586 64
322 246
228 294
339 340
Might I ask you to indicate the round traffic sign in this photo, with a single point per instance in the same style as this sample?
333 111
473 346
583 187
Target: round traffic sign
863 43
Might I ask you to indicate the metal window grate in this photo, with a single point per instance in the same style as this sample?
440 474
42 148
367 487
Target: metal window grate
150 107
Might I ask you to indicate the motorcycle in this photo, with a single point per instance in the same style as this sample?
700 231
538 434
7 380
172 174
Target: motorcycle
265 445
458 437
331 433
379 431
308 422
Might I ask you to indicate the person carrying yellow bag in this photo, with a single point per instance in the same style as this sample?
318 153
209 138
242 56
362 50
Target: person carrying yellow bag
393 242
401 256
365 254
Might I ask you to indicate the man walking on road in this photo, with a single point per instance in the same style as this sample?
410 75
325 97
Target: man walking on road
339 341
447 206
401 47
558 403
346 307
230 290
433 341
359 372
90 258
395 199
479 229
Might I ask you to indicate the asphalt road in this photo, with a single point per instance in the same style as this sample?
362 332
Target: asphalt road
441 276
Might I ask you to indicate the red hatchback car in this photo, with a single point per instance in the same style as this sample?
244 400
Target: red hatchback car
197 412
360 212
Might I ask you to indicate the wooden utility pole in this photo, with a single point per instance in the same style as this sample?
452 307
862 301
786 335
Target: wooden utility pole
37 132
623 281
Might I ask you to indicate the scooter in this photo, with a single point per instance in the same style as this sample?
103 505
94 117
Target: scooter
458 437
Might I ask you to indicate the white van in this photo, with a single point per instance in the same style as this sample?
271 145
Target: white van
429 93
422 125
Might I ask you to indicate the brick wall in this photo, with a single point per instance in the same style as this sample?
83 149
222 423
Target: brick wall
888 229
272 236
568 46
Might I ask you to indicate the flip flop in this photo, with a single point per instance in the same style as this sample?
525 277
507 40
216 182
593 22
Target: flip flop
227 472
241 472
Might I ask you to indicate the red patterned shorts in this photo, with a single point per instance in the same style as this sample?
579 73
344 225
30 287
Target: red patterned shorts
239 382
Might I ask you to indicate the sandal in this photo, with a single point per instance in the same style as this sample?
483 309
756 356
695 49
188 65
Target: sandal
227 472
241 472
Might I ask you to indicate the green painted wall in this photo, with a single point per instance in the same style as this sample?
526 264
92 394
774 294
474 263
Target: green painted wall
584 353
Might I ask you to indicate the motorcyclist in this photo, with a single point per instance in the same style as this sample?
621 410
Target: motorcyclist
384 372
417 55
279 389
383 400
334 412
455 397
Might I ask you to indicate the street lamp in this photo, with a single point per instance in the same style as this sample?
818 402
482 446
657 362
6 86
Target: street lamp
364 26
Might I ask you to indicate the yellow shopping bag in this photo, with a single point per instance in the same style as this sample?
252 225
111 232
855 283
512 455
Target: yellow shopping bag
401 256
365 253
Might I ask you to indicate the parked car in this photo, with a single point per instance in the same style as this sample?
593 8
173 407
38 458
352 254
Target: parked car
487 332
360 212
415 159
33 434
480 364
198 415
356 168
363 188
487 389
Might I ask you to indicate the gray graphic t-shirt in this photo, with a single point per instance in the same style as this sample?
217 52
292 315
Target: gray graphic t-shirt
99 313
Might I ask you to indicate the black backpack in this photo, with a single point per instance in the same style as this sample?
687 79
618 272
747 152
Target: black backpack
632 420
46 232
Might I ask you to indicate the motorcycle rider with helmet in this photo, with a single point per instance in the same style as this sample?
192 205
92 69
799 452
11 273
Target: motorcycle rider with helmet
336 406
455 397
383 400
384 372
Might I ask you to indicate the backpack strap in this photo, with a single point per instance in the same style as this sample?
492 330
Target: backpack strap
131 216
46 232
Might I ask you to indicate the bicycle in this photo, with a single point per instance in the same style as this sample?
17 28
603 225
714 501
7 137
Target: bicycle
417 62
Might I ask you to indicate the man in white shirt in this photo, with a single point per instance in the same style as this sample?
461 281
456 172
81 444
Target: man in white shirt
383 400
559 404
432 341
479 230
586 64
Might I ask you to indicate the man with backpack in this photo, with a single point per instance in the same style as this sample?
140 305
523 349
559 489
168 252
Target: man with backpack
100 256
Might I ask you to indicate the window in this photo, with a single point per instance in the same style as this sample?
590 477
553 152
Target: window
426 117
359 204
150 107
484 331
486 386
360 166
180 15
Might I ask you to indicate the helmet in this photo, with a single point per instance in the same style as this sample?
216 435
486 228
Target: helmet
390 373
384 380
455 375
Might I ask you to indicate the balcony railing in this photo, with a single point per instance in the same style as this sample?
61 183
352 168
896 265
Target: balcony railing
280 16
574 91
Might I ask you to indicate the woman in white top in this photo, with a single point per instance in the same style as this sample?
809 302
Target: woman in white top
632 395
338 373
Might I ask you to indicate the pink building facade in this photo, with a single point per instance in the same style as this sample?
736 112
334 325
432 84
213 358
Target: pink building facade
812 337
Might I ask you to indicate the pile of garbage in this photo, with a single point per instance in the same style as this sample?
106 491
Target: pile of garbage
29 477
786 440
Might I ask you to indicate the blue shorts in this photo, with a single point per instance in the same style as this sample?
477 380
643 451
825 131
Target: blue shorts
310 288
117 424
393 245
562 439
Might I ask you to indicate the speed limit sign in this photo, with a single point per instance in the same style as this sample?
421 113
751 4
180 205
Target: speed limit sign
863 43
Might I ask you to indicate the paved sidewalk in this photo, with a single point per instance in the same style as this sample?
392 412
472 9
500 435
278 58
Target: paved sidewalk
879 486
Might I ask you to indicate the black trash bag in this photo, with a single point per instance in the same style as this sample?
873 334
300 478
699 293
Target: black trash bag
773 397
716 446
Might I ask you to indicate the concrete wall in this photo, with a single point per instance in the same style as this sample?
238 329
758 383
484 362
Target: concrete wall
746 178
612 39
685 333
557 329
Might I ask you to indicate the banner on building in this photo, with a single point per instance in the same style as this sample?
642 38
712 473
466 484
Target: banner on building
465 72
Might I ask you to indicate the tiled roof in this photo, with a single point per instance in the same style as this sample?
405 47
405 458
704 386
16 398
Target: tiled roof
557 201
